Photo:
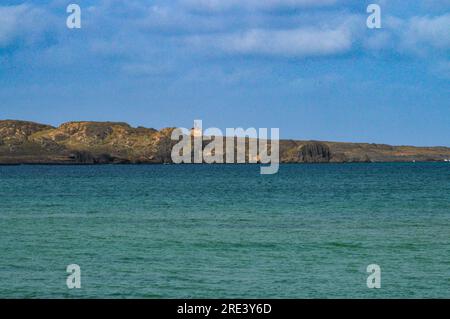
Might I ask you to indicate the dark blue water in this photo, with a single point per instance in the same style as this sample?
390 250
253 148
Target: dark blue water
225 231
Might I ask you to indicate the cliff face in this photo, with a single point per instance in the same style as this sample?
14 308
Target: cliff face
314 152
108 142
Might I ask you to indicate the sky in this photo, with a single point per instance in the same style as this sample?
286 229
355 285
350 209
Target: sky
311 68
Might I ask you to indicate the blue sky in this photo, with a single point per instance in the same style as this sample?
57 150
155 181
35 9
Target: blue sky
309 67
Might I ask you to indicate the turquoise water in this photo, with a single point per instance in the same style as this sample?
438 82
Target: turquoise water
225 231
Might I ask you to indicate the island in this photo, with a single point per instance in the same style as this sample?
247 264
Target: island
24 142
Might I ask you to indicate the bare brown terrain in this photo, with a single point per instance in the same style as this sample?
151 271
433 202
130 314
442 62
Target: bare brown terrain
24 142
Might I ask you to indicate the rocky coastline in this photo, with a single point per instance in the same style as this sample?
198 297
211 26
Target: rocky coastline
77 143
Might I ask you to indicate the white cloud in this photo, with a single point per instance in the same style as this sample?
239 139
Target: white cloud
420 36
430 31
165 19
290 43
10 22
22 22
222 5
133 34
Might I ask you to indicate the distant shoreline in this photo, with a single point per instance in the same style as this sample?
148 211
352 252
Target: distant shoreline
206 164
97 143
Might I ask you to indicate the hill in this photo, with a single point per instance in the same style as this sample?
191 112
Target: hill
24 142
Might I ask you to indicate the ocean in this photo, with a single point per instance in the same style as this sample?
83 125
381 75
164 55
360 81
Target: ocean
225 231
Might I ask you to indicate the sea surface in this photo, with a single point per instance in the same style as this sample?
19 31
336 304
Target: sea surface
225 231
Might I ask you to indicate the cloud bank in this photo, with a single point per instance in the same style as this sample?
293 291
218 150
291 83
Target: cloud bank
130 33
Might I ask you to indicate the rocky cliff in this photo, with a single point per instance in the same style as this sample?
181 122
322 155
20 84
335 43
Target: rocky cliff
24 142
